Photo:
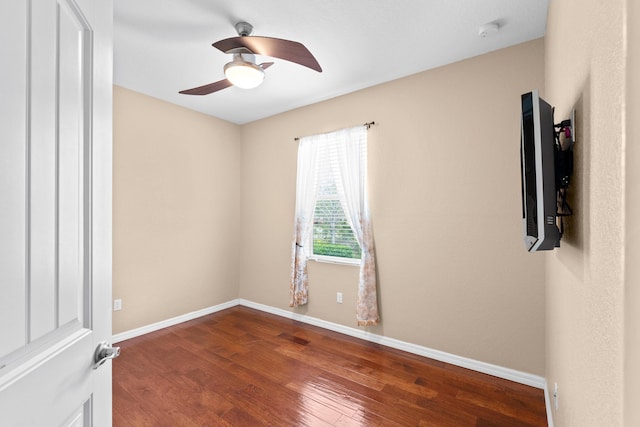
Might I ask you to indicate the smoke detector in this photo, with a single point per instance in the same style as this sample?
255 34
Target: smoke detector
488 29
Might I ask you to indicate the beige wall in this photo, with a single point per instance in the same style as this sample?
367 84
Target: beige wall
585 69
445 200
632 235
176 184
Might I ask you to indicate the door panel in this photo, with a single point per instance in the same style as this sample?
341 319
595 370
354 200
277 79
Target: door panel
53 384
12 180
43 168
55 221
72 172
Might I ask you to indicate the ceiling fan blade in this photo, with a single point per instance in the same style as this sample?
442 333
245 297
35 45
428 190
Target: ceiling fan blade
268 46
266 65
207 89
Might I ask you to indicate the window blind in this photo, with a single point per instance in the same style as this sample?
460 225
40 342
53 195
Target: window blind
332 232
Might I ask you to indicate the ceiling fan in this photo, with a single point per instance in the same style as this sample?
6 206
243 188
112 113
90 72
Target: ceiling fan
243 71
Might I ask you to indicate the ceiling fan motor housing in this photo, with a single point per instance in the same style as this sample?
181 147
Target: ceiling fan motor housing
244 28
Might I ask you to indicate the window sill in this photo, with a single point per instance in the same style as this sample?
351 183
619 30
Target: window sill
335 260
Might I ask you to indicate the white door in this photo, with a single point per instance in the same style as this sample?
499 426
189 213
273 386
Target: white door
55 211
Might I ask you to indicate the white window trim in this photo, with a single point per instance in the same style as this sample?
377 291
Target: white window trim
335 260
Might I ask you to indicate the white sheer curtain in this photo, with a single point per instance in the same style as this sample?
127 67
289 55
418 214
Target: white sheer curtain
306 190
351 178
350 172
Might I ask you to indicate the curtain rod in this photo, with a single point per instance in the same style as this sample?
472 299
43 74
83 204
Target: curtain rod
367 125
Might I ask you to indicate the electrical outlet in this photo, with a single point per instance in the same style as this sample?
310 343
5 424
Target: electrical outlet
117 304
339 297
555 395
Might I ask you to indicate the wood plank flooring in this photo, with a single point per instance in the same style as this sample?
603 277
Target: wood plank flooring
242 367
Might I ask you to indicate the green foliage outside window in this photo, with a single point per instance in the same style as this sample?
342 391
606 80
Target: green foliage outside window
332 234
329 249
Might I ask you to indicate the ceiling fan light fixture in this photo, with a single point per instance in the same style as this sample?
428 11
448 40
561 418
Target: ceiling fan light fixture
242 73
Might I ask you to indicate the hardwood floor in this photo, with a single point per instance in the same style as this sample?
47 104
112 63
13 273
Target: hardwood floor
242 367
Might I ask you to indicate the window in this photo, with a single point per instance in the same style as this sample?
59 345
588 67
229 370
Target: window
332 219
332 237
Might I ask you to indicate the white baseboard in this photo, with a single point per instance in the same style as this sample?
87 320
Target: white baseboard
171 322
486 368
547 402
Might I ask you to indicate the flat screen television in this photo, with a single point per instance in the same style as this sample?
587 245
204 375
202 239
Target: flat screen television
538 166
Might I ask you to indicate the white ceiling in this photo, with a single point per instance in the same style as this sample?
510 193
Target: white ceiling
164 46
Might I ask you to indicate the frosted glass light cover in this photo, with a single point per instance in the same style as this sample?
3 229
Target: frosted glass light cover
244 75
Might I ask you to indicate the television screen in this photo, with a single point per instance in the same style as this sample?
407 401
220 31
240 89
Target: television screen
538 152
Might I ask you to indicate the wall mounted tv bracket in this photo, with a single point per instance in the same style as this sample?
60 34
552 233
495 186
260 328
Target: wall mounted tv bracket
565 139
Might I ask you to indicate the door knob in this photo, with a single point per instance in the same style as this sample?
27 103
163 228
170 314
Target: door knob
103 353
